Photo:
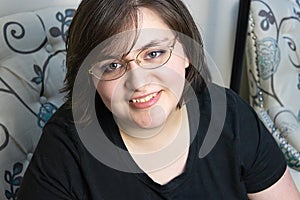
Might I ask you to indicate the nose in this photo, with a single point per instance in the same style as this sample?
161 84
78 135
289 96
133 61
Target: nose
136 76
136 60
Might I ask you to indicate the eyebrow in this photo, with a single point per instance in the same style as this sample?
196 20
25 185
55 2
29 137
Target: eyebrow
152 43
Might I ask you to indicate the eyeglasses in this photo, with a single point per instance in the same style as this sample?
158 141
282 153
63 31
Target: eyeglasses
149 58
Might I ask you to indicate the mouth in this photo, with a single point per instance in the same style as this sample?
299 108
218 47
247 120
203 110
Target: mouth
145 101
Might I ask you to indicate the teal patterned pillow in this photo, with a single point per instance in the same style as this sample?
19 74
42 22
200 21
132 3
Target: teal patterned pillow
32 71
273 61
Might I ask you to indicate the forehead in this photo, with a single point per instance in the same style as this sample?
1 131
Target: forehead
152 28
150 19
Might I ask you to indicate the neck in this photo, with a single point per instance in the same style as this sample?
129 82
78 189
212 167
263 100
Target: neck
162 148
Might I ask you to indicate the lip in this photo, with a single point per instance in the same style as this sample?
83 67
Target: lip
155 96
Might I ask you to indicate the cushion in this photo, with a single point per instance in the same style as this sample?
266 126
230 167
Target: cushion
273 60
32 71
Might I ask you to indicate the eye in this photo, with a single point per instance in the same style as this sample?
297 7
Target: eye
107 66
109 69
112 67
154 54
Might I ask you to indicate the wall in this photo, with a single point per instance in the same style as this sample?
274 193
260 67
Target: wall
14 6
217 21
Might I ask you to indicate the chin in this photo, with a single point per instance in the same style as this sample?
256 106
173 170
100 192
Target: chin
155 117
151 124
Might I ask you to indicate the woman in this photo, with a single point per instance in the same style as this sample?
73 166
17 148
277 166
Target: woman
142 119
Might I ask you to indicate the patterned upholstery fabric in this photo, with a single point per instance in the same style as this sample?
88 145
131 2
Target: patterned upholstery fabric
273 62
32 70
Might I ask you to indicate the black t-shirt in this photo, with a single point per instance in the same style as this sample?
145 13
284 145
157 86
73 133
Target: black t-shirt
245 159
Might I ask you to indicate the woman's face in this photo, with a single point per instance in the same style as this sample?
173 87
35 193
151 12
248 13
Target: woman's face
145 98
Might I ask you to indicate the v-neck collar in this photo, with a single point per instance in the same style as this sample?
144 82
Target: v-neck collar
112 132
192 154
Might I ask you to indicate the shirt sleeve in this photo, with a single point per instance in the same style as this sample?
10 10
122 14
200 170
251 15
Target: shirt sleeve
53 168
263 163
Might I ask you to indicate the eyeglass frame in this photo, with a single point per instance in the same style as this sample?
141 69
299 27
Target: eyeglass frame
137 61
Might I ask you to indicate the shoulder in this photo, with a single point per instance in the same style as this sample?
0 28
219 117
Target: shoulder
61 121
258 155
62 116
224 100
239 119
59 131
213 92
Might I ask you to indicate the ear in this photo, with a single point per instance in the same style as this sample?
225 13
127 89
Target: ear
186 62
95 82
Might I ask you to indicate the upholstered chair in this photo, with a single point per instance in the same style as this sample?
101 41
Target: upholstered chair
273 66
32 71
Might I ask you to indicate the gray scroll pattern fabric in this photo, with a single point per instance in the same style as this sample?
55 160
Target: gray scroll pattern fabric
32 70
273 61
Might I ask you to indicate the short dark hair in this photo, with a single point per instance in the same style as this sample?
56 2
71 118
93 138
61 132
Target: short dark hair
97 20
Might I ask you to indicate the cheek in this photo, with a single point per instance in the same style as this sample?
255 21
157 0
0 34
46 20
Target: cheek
177 66
174 78
106 92
179 62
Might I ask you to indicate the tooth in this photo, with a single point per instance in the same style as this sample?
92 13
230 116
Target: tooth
143 100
